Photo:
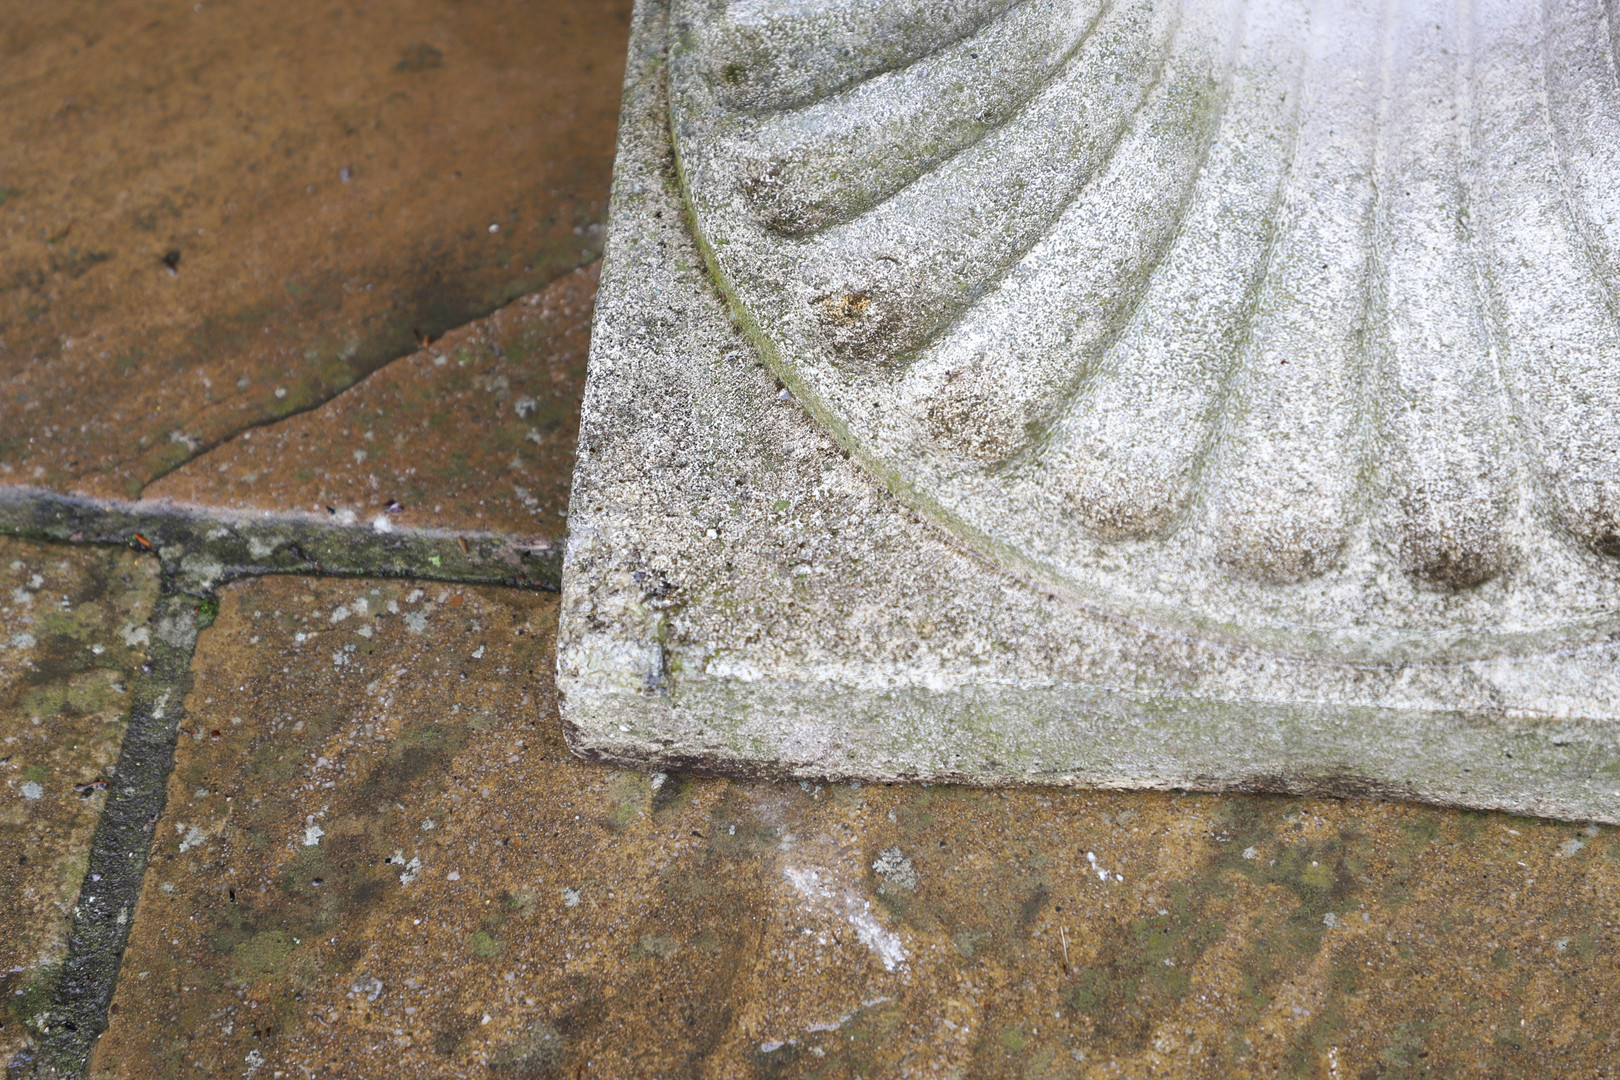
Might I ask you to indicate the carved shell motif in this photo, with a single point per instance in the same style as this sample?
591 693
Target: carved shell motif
1296 323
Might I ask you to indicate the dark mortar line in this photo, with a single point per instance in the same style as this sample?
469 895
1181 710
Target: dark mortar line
201 549
121 846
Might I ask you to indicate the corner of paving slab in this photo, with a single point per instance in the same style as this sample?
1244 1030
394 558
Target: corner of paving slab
187 555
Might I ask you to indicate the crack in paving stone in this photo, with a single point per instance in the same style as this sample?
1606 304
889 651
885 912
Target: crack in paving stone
198 551
202 549
421 339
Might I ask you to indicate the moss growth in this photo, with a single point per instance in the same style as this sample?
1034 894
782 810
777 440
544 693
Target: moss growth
484 945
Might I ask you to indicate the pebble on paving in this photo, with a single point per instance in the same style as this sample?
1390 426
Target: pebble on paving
72 632
378 859
474 432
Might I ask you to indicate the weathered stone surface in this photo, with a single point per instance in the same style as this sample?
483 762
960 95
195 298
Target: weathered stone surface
388 869
752 589
1243 295
475 432
72 629
341 741
336 181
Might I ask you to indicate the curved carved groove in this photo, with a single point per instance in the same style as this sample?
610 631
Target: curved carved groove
1564 353
1583 101
1440 405
928 253
1296 318
780 54
1123 460
1282 492
831 160
1013 360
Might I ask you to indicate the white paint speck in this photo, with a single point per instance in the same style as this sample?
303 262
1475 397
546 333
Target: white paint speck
570 897
312 835
32 791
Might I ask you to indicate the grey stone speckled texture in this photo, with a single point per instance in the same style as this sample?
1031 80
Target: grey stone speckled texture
883 588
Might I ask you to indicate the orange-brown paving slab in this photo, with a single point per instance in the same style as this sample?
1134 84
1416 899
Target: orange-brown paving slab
72 631
379 860
475 432
215 215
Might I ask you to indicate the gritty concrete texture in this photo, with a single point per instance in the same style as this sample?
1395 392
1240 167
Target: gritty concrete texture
1238 295
775 565
73 628
474 432
379 859
332 182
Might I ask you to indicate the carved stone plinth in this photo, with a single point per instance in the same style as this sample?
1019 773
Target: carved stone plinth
1152 393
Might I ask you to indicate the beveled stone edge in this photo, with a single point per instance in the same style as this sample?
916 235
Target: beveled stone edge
621 703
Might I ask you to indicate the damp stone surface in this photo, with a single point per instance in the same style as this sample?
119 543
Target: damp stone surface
1147 394
393 866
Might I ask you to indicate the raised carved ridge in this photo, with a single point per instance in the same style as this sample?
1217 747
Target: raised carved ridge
1293 322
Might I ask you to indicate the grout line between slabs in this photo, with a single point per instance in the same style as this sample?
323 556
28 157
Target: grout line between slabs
121 846
200 549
